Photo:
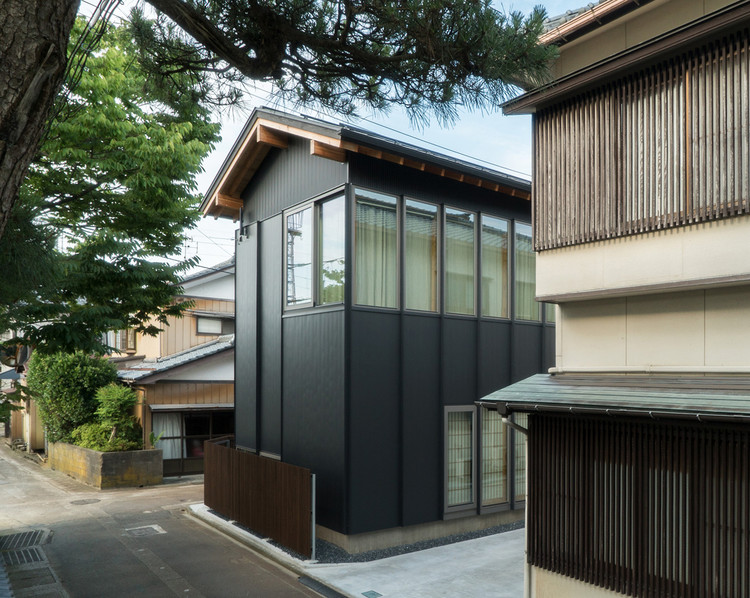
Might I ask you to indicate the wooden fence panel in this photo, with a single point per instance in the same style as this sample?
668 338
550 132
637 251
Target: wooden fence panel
271 498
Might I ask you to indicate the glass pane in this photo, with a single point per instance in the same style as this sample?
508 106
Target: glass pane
223 423
420 256
522 419
168 426
494 267
376 250
494 459
549 312
299 249
526 306
459 262
459 462
332 250
209 326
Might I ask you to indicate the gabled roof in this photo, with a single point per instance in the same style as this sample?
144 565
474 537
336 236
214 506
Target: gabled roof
655 396
146 369
226 267
267 128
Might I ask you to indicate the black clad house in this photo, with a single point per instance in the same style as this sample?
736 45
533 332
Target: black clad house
381 289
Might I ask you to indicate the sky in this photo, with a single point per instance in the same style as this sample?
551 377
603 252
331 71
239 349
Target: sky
489 139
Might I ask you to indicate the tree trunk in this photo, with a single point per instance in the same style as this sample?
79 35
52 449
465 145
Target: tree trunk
33 47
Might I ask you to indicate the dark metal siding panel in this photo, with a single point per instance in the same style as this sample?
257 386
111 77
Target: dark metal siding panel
374 439
288 177
270 267
246 325
494 356
313 399
526 351
422 420
459 368
401 180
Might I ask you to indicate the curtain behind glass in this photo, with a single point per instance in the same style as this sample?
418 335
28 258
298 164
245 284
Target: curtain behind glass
459 461
332 251
168 425
459 262
526 306
299 250
494 267
420 256
494 459
376 242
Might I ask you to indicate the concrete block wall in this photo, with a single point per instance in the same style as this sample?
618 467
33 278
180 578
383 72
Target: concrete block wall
107 470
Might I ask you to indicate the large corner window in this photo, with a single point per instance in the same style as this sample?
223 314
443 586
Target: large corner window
315 253
299 257
376 249
459 261
459 461
525 261
495 267
421 256
332 251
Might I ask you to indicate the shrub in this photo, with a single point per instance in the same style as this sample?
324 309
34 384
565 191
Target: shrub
115 429
64 386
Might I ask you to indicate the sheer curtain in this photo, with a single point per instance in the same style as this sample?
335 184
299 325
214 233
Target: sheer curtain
526 306
420 256
168 425
459 262
460 466
494 267
376 243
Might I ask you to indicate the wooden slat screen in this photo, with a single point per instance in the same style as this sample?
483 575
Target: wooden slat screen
642 508
663 147
271 498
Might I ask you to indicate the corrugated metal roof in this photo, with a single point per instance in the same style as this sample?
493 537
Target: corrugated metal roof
149 368
707 398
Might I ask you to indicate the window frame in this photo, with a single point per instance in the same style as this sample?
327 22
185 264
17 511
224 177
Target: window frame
313 204
470 507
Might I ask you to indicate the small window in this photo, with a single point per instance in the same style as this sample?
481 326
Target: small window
125 341
459 457
376 249
299 257
209 325
525 261
459 261
494 267
421 256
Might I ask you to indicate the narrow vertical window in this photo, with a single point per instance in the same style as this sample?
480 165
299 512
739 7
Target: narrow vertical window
549 312
299 257
494 267
376 249
459 262
421 256
526 306
460 458
494 481
331 251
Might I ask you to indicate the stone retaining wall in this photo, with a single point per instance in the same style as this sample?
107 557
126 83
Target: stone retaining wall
107 470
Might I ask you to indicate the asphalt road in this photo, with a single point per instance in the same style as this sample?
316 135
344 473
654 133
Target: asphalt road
133 542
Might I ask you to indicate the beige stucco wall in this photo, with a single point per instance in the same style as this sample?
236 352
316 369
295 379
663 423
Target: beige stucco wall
704 330
650 21
544 584
695 256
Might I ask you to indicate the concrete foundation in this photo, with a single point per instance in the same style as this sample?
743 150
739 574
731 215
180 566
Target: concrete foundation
107 470
399 536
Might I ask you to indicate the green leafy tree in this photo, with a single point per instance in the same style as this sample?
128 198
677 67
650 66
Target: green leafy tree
111 189
115 428
64 386
427 55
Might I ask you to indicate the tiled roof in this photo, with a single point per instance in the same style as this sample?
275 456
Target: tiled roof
554 22
146 368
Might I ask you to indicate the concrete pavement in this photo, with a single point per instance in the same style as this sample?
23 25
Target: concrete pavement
142 542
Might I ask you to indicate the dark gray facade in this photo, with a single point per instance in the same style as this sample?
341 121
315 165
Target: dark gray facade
358 393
